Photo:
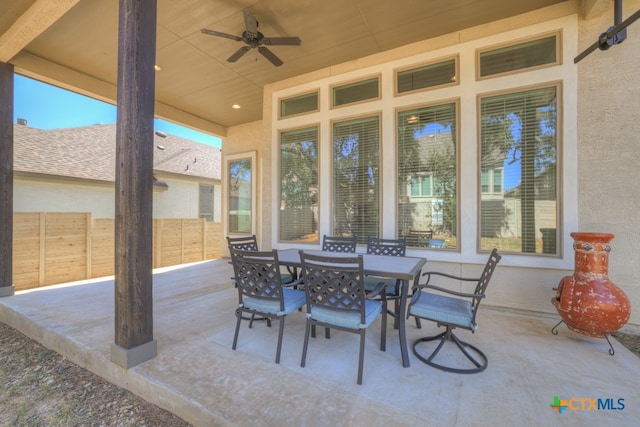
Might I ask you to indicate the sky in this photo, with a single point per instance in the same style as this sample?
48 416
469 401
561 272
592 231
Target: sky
49 107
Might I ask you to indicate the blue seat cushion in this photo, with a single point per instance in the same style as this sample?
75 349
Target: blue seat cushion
443 309
293 300
347 319
370 282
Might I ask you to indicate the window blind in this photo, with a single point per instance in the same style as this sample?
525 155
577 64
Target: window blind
427 173
518 145
299 185
356 184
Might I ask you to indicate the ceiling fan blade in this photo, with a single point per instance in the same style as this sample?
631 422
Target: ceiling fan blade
219 34
281 41
270 56
238 54
251 24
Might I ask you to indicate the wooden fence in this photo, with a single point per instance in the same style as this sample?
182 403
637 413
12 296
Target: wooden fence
51 248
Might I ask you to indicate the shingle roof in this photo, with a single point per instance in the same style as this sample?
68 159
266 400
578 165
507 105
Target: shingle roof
89 152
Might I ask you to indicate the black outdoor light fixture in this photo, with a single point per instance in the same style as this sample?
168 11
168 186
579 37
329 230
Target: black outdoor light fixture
614 35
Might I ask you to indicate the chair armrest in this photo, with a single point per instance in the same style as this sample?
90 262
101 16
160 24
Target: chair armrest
448 276
452 292
380 288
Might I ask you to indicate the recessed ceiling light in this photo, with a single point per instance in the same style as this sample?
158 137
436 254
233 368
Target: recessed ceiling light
236 107
157 67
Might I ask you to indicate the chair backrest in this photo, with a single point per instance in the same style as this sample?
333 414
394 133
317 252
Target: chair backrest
334 283
248 243
339 244
393 247
257 275
483 282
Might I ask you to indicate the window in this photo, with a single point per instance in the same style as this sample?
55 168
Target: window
356 92
242 193
427 76
519 157
526 55
356 183
491 181
427 173
421 186
299 185
306 103
205 202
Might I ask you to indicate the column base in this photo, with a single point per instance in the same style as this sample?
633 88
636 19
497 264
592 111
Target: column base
128 358
7 291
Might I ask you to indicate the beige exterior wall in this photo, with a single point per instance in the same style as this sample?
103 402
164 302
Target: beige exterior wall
609 147
250 138
595 107
180 200
38 195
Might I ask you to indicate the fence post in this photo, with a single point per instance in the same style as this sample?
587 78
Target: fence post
43 236
157 238
204 239
89 250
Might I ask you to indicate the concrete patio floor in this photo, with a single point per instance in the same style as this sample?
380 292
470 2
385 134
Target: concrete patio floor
198 377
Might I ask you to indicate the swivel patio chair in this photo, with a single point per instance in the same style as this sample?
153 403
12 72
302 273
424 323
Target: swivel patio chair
339 244
456 311
260 290
336 298
389 247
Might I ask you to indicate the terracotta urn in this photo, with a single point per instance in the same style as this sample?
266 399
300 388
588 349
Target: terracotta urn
588 302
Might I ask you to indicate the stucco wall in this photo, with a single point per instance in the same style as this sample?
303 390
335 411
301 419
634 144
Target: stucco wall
180 200
609 147
45 196
243 139
601 120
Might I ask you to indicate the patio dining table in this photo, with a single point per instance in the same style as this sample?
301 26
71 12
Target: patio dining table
403 268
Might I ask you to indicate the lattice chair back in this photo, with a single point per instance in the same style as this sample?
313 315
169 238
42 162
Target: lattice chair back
336 298
248 243
483 282
258 276
339 244
259 282
392 247
334 284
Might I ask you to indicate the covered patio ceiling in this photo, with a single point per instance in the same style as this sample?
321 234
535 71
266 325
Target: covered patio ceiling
73 44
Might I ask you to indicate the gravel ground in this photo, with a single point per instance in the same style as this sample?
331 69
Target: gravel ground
42 388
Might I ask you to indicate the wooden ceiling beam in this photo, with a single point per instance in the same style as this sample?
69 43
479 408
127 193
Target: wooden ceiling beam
33 22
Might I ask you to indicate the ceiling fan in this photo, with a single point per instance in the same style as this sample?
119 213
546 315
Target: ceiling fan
255 39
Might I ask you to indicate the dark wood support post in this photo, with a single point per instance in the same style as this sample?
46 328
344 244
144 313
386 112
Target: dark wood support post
134 342
6 180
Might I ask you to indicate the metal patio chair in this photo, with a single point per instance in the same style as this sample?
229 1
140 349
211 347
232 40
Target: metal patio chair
452 310
336 299
339 244
260 290
250 243
336 244
244 243
388 247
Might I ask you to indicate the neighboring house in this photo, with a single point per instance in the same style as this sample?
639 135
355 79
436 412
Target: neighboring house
73 170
